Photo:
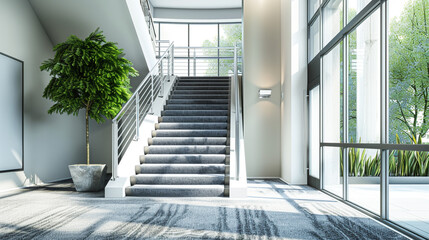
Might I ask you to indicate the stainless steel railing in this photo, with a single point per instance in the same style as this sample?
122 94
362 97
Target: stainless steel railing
149 20
237 131
126 124
203 61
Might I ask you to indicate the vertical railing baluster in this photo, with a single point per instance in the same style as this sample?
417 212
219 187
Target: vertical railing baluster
237 116
195 63
151 92
172 58
114 150
137 116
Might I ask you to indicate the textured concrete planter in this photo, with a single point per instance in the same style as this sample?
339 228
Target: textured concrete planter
88 178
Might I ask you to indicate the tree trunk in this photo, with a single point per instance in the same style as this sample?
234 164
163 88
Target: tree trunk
87 136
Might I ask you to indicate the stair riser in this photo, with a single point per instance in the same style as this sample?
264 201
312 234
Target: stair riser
194 113
175 119
190 180
191 126
186 150
199 88
184 159
184 83
188 141
201 92
190 133
175 192
195 96
197 101
177 169
196 107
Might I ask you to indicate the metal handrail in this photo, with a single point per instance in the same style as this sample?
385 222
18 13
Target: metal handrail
150 24
238 119
131 110
197 56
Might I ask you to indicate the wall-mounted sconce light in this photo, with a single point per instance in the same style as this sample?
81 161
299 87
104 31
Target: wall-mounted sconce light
264 93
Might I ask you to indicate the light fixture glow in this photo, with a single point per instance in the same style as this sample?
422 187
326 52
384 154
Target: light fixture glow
264 93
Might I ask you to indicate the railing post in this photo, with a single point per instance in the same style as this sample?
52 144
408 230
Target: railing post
237 115
195 63
172 59
169 63
151 92
114 150
137 117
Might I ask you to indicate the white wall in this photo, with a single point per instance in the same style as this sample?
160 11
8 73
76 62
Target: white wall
51 142
262 69
294 86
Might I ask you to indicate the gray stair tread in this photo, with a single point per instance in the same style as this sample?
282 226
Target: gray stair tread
182 165
179 175
163 186
188 140
191 125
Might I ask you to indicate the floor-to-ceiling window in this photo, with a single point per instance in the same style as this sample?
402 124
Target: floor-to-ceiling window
202 49
374 106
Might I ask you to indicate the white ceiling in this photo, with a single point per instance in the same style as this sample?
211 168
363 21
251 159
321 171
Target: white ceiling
196 4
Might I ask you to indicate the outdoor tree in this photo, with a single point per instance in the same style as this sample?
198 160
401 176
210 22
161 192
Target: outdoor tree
232 34
89 74
409 72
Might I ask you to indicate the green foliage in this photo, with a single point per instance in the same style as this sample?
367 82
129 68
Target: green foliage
88 74
409 72
401 162
232 34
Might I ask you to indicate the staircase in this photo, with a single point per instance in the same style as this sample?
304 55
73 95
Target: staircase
188 154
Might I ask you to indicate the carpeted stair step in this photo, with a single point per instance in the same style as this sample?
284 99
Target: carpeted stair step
211 125
200 88
186 149
197 101
217 84
193 119
194 113
198 96
190 133
198 81
185 158
188 141
179 179
196 107
182 169
177 190
201 92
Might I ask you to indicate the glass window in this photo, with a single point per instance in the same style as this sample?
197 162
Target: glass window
333 95
364 178
364 81
229 35
354 7
332 170
314 132
409 190
175 32
408 72
332 20
313 5
203 35
314 38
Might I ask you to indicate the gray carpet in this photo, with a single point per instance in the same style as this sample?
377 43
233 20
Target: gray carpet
172 166
273 210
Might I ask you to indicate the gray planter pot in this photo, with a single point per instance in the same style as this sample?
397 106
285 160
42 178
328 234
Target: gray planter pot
88 178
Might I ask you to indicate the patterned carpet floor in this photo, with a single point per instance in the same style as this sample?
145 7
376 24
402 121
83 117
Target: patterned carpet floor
273 210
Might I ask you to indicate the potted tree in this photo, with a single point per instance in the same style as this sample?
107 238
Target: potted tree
89 74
